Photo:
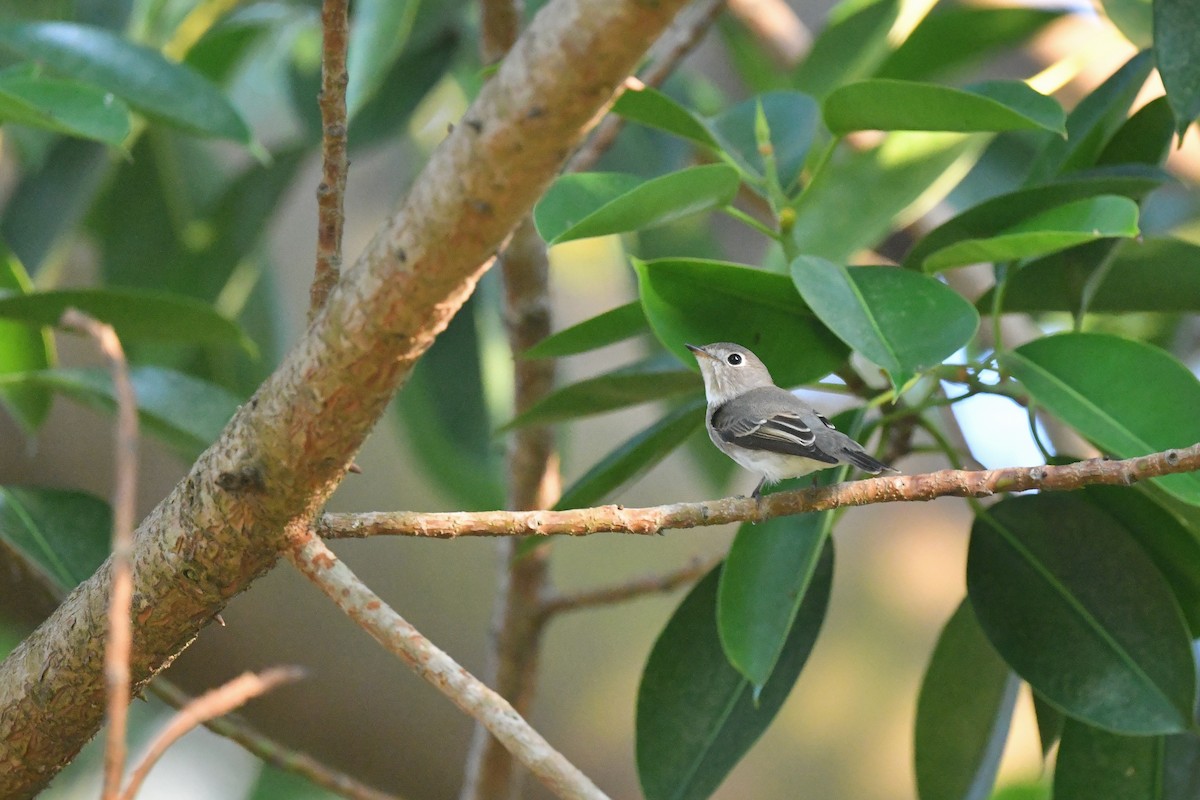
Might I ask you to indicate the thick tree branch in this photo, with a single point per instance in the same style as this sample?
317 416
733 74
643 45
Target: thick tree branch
331 192
288 447
318 563
649 521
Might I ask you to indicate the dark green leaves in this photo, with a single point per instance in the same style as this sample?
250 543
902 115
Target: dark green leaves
162 89
902 321
791 121
1079 611
1176 31
699 302
695 714
599 203
890 105
612 326
70 107
963 713
654 109
63 534
1128 397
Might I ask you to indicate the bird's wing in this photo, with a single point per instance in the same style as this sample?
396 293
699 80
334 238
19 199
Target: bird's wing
782 432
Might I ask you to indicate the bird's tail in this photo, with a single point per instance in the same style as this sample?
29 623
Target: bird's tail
865 462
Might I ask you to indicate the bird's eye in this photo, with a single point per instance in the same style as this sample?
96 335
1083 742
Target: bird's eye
734 359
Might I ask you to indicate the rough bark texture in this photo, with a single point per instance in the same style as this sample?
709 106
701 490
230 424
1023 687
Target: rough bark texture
286 449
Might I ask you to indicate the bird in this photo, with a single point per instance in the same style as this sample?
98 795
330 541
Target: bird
766 429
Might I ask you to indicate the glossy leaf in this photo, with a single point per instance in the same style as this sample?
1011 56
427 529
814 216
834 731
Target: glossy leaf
891 105
379 30
654 109
903 321
22 348
134 313
1092 123
634 457
615 325
765 580
963 713
1007 210
182 410
171 92
1079 611
1068 225
953 37
1176 31
861 196
1128 397
791 118
699 302
696 716
62 534
1093 763
850 47
70 107
639 383
585 204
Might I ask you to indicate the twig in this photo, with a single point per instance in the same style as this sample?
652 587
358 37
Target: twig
677 41
331 193
120 625
318 563
212 703
656 519
640 587
776 26
273 752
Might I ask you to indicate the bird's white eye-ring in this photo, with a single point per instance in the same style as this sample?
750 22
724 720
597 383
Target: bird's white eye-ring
734 359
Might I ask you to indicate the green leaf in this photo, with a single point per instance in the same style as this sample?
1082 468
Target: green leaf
134 313
1092 123
70 107
792 120
615 325
633 458
690 301
654 109
1176 31
861 196
185 412
1049 723
596 204
963 713
954 37
22 348
1128 397
1004 211
1094 763
765 580
640 383
1132 18
1050 231
696 716
891 105
1144 138
1080 612
170 92
64 535
1163 536
379 30
903 321
849 48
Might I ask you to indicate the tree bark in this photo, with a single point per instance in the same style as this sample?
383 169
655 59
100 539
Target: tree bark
285 450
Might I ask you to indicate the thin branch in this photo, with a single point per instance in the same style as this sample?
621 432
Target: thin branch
776 26
681 38
656 519
273 752
318 563
120 624
207 706
640 587
331 193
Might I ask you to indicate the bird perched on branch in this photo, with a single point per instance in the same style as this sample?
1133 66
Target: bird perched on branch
766 429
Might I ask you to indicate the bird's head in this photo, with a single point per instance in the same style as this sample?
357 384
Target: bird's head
729 370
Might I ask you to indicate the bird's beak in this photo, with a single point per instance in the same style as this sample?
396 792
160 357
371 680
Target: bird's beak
700 351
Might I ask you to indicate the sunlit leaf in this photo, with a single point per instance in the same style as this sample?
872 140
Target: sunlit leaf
891 105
